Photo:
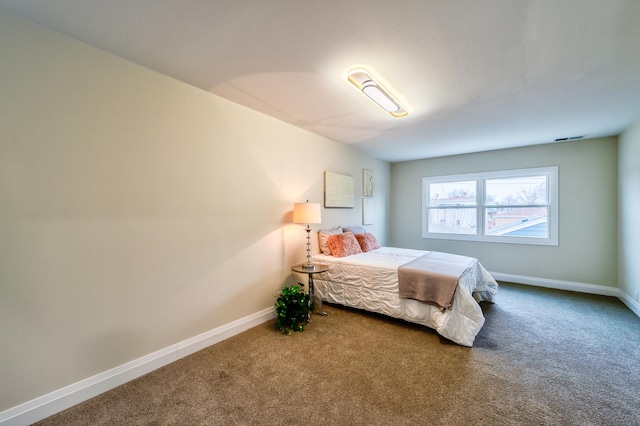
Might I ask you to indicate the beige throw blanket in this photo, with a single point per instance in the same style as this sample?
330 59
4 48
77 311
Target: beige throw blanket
432 278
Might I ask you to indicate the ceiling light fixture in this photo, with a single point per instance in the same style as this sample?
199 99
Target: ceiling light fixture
374 90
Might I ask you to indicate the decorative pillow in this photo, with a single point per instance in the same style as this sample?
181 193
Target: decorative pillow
367 242
355 230
323 235
342 245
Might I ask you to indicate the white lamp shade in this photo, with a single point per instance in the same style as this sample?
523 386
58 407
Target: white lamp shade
306 213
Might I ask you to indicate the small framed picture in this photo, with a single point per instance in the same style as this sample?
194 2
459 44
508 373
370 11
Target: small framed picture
367 211
367 183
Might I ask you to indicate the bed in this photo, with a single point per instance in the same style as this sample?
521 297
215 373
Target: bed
369 281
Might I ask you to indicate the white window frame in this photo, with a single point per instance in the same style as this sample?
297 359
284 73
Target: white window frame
552 219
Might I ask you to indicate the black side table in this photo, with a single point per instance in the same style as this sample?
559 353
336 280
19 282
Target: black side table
319 268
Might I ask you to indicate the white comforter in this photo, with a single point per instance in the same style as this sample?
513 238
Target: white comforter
369 281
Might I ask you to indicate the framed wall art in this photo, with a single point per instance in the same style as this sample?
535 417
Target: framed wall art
339 190
367 211
367 183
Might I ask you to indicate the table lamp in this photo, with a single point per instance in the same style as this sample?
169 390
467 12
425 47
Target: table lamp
307 213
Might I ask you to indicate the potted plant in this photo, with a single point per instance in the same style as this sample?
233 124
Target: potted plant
293 307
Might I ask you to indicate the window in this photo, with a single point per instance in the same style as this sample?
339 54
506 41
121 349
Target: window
514 206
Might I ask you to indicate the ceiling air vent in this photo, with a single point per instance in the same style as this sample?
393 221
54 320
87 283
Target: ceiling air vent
572 138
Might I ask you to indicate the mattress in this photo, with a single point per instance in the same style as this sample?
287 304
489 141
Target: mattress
369 281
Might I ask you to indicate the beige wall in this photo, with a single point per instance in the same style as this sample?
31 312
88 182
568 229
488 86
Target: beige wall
138 211
629 190
587 251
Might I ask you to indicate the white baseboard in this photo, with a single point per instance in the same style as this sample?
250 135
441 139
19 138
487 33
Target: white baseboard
557 284
631 304
571 286
61 399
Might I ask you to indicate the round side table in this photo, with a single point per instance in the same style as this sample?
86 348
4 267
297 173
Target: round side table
319 268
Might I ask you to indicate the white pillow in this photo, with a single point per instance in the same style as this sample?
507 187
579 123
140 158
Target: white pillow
355 230
323 235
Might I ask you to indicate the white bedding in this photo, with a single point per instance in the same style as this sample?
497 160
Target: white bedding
369 281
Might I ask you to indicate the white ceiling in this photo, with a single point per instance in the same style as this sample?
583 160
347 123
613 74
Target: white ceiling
475 74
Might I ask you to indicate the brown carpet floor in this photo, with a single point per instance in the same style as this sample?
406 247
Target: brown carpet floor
544 357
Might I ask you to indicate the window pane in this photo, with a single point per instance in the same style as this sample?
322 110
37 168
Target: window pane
518 191
453 221
510 206
517 222
452 193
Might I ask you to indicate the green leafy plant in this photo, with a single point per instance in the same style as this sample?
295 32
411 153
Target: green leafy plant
292 309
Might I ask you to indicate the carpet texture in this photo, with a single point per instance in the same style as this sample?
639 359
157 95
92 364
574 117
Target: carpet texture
544 357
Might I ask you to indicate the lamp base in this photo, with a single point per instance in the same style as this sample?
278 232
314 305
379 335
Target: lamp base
308 266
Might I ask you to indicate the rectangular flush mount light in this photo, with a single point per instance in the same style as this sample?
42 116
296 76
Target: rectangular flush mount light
364 82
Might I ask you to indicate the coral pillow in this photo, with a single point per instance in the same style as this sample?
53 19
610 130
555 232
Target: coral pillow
367 242
342 245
